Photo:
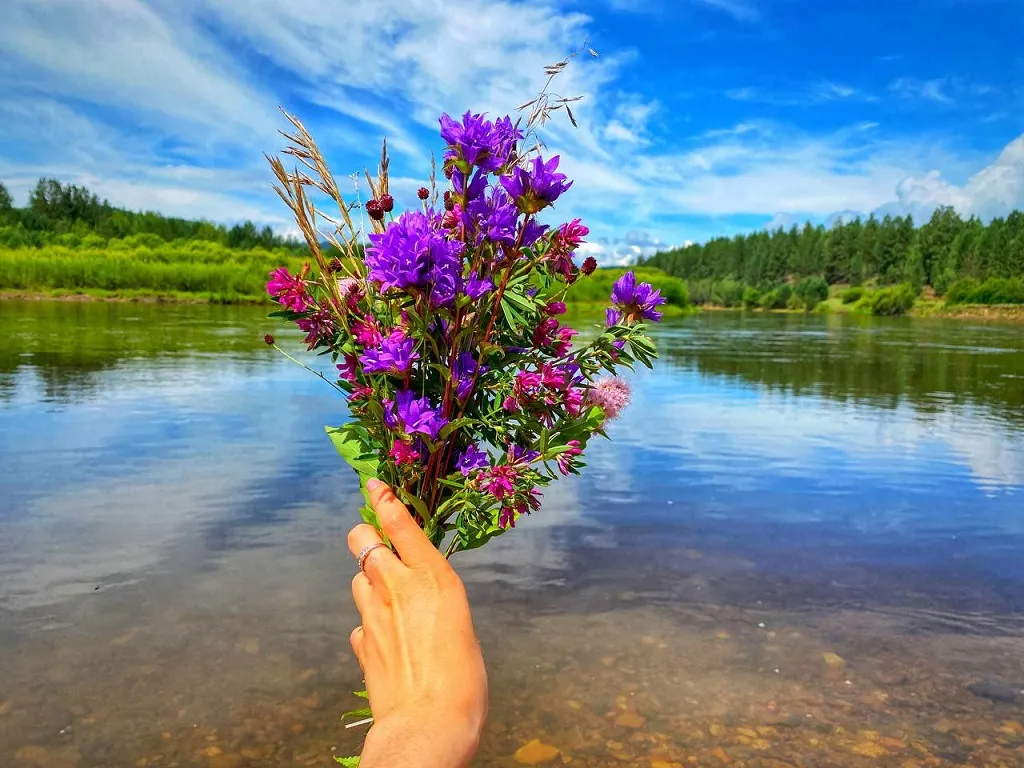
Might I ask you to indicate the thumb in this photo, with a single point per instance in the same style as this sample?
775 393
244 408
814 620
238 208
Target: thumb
408 539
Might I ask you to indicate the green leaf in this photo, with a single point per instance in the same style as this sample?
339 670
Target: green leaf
349 440
520 300
362 694
451 426
347 762
418 504
358 714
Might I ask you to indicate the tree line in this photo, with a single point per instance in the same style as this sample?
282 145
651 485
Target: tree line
946 251
67 214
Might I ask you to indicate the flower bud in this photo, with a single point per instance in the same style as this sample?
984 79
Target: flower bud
449 202
334 265
423 193
375 210
269 340
387 202
589 265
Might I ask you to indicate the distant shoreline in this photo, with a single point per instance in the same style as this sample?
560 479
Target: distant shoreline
984 312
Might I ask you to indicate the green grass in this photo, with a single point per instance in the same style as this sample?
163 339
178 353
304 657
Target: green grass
596 289
203 271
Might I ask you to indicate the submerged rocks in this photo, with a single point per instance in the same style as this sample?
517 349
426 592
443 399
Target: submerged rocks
999 691
536 752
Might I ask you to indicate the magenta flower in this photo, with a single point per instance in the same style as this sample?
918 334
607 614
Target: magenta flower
566 461
367 332
351 291
289 290
571 234
636 301
555 308
611 394
394 356
348 369
472 458
507 517
404 453
499 481
318 326
537 186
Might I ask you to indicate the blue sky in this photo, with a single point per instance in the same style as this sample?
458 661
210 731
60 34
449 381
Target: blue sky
700 117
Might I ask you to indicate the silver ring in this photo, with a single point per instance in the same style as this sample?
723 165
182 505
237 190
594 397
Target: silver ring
365 553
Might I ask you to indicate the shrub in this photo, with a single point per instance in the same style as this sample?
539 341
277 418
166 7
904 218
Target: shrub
892 301
728 293
777 297
852 295
751 297
995 290
811 291
700 291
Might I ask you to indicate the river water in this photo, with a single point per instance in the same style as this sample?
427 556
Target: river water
804 546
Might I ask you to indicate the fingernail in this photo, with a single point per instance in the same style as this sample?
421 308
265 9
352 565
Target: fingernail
373 483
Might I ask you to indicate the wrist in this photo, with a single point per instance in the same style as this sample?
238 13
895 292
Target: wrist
402 741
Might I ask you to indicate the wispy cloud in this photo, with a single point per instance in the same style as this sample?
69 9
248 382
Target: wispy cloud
738 9
929 90
741 10
802 95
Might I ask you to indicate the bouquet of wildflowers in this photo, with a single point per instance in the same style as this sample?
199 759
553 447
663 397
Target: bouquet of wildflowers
466 391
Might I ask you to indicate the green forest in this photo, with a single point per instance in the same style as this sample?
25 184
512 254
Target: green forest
886 264
67 240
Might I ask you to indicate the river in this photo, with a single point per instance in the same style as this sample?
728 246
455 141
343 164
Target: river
804 546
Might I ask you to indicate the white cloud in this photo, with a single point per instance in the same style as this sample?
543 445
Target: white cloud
995 190
738 9
742 10
929 90
122 54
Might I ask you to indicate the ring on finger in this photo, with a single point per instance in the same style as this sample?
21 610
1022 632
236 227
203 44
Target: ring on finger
365 553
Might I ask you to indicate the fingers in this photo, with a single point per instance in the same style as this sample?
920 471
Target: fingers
380 560
361 592
356 641
409 541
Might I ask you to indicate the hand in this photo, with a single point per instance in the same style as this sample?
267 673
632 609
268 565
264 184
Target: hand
424 671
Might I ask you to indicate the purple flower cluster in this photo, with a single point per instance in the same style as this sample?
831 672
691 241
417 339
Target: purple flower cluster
537 186
634 302
465 370
393 356
413 253
413 416
447 334
471 459
476 141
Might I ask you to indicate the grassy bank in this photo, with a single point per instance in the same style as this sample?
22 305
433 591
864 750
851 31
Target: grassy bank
197 271
193 270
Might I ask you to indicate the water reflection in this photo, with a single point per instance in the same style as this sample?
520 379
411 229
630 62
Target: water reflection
173 569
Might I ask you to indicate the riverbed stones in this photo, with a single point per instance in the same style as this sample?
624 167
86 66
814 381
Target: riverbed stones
32 756
630 719
536 752
999 691
833 660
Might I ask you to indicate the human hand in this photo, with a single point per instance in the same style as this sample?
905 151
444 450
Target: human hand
424 671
